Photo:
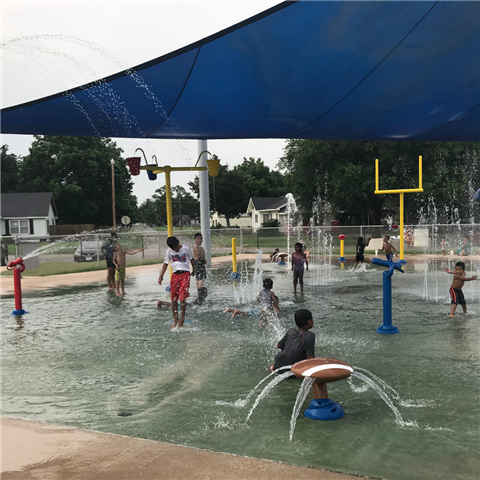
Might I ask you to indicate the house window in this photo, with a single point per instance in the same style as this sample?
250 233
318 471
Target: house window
256 218
18 227
266 217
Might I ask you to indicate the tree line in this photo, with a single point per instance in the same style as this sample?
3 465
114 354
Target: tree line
329 179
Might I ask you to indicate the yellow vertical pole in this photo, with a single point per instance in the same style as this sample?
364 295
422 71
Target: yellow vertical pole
234 255
402 239
168 195
342 251
420 179
376 176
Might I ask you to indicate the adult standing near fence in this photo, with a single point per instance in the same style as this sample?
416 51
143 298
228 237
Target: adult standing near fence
109 248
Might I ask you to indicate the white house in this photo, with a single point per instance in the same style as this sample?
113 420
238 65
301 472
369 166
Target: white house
243 221
25 214
264 209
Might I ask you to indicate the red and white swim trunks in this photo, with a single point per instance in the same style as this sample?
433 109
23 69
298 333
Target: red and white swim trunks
180 286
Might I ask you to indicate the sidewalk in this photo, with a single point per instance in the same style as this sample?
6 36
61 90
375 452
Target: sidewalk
35 284
33 450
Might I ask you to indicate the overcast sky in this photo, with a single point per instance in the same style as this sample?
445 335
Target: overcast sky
51 46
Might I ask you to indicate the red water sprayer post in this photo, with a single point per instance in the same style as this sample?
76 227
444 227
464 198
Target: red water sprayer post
18 267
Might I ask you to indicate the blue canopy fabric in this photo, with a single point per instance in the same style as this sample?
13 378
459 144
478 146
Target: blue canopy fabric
319 70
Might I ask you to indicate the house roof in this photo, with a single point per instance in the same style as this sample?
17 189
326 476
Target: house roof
18 205
268 203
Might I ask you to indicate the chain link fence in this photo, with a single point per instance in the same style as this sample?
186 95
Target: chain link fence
87 248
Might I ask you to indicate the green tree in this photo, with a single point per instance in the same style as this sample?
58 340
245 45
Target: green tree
154 211
228 195
77 170
341 175
147 213
259 180
10 165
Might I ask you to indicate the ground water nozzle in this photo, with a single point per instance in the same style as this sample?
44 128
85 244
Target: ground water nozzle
323 370
18 267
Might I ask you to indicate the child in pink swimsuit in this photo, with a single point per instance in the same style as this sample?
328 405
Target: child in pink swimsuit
299 259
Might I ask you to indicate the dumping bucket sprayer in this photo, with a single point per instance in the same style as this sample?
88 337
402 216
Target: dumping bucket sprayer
18 267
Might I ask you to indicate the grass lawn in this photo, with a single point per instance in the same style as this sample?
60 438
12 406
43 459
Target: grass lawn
59 268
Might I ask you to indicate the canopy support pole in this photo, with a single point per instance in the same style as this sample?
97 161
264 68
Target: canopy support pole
204 202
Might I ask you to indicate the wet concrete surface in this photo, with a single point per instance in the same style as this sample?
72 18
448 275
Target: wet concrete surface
39 451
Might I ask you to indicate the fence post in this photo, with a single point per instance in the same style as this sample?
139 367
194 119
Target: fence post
18 253
258 239
143 251
98 251
158 241
241 239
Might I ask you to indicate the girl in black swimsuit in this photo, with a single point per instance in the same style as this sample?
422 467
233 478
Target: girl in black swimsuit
359 258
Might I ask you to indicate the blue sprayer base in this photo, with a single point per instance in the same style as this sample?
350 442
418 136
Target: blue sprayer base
19 312
324 409
235 276
281 263
387 329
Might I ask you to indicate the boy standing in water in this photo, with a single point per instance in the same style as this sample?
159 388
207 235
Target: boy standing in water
120 262
200 270
388 247
298 343
456 294
299 259
109 248
181 257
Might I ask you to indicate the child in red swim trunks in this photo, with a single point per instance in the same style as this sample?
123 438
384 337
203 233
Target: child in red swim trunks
181 257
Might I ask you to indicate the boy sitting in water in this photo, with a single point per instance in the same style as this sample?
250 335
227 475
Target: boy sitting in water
120 262
298 343
273 256
268 303
456 294
388 247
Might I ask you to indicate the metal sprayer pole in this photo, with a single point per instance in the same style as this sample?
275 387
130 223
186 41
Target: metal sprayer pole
204 202
113 197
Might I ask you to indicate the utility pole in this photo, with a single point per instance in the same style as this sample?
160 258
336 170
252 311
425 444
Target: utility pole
113 196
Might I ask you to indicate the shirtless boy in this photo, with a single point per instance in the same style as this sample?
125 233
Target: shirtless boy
200 270
120 262
388 247
456 294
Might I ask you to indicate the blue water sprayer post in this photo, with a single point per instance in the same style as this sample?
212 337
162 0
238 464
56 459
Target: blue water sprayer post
387 326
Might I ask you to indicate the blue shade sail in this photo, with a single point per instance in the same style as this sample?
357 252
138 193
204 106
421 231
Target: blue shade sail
317 70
